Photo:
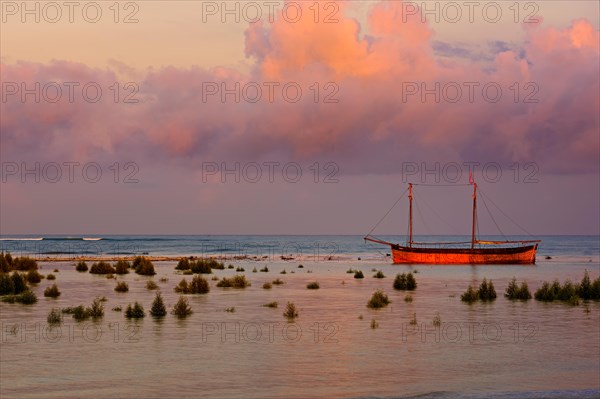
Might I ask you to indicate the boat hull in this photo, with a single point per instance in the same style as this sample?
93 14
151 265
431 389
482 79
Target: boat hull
454 256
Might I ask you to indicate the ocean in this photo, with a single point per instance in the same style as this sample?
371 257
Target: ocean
234 347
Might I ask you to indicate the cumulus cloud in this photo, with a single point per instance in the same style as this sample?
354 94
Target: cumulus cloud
358 105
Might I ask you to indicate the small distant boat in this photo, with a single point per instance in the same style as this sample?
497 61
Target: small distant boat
473 252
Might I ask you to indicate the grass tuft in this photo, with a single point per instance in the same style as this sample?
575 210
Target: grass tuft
135 311
405 282
122 286
313 286
290 311
378 300
158 306
52 292
182 308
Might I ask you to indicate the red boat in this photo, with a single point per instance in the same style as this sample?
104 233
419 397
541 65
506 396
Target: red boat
478 252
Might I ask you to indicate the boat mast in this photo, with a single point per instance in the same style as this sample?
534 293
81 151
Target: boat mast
474 214
410 199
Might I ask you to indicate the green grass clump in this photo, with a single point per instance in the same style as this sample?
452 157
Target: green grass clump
96 311
569 292
277 281
5 262
143 266
230 266
254 270
18 282
102 267
122 286
7 287
135 311
158 306
378 300
54 317
516 292
51 277
487 292
437 320
273 304
52 292
267 286
240 269
23 263
374 324
379 274
182 308
265 269
81 266
290 311
350 271
405 282
300 266
183 264
313 286
200 266
151 285
237 281
117 308
26 297
408 298
230 310
122 267
33 277
470 295
359 274
283 272
199 285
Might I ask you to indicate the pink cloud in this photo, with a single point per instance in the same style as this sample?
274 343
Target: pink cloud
369 129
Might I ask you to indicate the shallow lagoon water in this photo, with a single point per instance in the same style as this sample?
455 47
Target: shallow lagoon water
501 349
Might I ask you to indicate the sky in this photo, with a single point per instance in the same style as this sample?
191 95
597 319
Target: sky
201 117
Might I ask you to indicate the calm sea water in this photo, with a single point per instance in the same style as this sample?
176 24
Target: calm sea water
501 349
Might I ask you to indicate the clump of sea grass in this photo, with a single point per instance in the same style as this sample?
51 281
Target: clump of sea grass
230 266
470 295
283 272
122 286
26 297
516 292
300 266
7 287
379 299
19 283
379 274
273 304
182 308
237 281
151 285
188 272
265 269
437 320
56 270
122 267
102 267
52 292
81 266
230 310
290 311
143 266
97 309
350 271
50 277
163 280
374 324
405 282
135 311
278 281
54 317
413 321
408 298
117 308
22 263
313 286
158 306
254 270
240 269
183 264
111 277
199 285
267 286
487 291
34 277
359 274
